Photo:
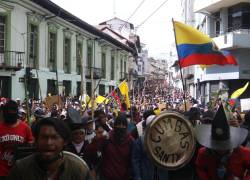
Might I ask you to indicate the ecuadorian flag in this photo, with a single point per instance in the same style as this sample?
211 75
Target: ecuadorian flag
194 47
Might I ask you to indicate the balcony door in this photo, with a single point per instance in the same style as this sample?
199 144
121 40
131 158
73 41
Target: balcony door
5 86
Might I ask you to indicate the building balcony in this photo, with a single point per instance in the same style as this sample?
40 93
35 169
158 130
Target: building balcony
233 38
97 73
214 5
11 60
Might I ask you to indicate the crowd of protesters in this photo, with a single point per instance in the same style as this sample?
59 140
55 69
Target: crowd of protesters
109 141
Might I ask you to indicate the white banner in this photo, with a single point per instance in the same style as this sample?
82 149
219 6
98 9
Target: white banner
245 104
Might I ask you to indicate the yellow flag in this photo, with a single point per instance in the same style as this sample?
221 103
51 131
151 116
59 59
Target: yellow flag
124 91
157 111
240 91
100 99
186 34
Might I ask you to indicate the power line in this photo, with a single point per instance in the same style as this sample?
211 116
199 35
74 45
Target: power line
136 9
151 14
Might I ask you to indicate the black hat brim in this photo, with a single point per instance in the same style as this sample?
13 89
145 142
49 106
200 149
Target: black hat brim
204 137
76 126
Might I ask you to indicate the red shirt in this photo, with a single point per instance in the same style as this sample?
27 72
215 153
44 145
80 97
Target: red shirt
237 166
10 136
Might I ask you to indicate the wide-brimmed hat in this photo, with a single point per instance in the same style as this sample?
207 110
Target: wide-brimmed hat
219 135
75 121
86 120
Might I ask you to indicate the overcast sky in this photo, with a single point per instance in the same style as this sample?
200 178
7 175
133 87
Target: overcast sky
156 32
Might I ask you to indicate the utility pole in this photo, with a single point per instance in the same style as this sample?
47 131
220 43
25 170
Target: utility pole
114 8
92 81
81 72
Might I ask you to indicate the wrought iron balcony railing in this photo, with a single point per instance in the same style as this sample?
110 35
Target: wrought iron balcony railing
11 60
97 73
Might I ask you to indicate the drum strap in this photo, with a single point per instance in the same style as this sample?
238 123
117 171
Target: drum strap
156 174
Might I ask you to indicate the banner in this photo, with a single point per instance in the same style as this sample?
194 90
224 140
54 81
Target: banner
51 100
245 104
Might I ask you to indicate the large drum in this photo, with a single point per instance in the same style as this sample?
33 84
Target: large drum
170 140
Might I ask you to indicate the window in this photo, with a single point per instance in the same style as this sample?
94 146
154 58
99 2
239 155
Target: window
89 55
78 57
33 46
52 51
238 16
112 75
101 89
103 65
217 23
67 88
52 87
78 89
125 67
139 68
67 55
2 33
89 88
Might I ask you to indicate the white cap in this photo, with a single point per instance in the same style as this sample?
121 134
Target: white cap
21 110
63 113
18 99
149 119
195 105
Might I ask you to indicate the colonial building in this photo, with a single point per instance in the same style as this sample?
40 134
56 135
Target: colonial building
228 23
125 32
56 51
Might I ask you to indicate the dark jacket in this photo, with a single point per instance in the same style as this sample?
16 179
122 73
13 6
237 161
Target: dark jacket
82 154
116 158
29 169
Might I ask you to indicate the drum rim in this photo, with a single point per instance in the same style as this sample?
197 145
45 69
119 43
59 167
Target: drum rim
146 140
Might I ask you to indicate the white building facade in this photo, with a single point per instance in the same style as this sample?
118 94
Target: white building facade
228 23
59 49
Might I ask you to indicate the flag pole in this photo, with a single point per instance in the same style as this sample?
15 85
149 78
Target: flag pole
182 80
115 89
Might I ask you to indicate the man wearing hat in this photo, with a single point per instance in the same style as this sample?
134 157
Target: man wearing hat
222 157
89 126
78 144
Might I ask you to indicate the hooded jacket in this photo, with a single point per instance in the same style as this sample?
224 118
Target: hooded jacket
116 158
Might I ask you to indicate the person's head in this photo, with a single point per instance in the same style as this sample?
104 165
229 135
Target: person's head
22 114
101 116
88 123
147 113
10 112
39 113
78 135
51 135
99 131
18 101
120 128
